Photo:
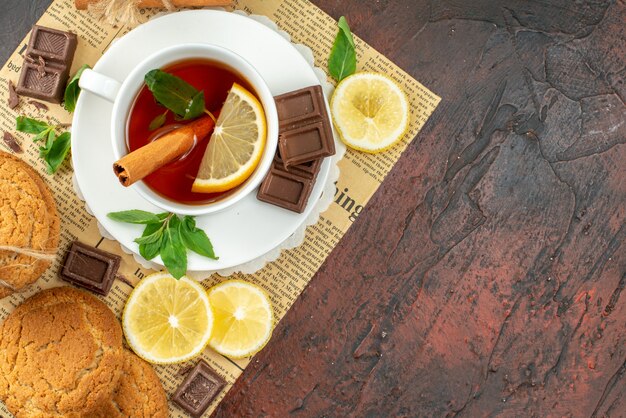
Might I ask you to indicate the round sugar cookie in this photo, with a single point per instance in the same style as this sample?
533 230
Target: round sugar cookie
139 393
61 354
29 221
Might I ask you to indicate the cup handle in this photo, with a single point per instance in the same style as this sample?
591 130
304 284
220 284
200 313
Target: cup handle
99 84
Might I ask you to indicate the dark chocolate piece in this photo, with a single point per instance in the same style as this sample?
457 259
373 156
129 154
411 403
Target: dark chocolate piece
90 268
14 99
182 372
199 389
300 107
52 45
12 143
47 63
307 143
49 87
38 105
124 280
305 138
308 169
286 190
41 67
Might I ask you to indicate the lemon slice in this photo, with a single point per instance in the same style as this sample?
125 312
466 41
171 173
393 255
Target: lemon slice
167 320
236 145
243 318
370 111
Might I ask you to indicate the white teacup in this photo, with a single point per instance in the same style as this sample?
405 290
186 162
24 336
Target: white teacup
122 95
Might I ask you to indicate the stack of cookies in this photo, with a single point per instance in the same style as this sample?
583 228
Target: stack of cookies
61 354
29 225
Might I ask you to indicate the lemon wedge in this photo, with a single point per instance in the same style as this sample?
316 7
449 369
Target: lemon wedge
243 318
370 111
236 145
167 320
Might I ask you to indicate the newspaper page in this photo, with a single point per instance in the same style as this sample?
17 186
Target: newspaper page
284 279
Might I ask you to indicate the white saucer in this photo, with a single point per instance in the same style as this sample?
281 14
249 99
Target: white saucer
248 229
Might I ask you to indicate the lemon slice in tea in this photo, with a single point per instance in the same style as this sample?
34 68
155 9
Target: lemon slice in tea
370 111
236 145
243 318
167 320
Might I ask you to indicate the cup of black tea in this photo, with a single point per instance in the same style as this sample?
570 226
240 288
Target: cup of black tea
139 119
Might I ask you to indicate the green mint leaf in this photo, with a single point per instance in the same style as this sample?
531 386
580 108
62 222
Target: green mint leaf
173 252
189 222
343 25
196 107
30 126
152 238
151 250
175 94
342 60
41 135
158 121
50 135
135 216
73 90
196 239
58 151
50 140
55 149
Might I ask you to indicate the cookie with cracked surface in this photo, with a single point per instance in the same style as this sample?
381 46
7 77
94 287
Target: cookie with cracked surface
139 394
60 355
29 223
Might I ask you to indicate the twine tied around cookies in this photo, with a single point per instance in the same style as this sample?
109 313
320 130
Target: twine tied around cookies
30 252
7 285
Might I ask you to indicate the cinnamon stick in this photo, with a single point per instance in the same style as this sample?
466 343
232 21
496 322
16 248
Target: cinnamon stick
146 160
84 4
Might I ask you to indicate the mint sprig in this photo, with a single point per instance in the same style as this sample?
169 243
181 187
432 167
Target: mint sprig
53 149
167 235
72 91
342 60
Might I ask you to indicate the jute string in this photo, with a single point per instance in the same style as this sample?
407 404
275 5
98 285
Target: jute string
5 284
121 12
31 252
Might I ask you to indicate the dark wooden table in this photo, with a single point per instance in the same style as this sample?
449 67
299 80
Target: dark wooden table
485 277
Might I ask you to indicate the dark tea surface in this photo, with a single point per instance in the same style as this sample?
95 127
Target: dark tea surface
174 180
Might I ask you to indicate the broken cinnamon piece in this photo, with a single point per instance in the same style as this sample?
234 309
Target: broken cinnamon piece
146 160
14 99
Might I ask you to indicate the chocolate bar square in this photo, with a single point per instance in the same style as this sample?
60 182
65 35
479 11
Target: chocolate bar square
307 143
52 45
297 108
305 138
47 63
308 169
91 268
286 190
199 389
39 82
